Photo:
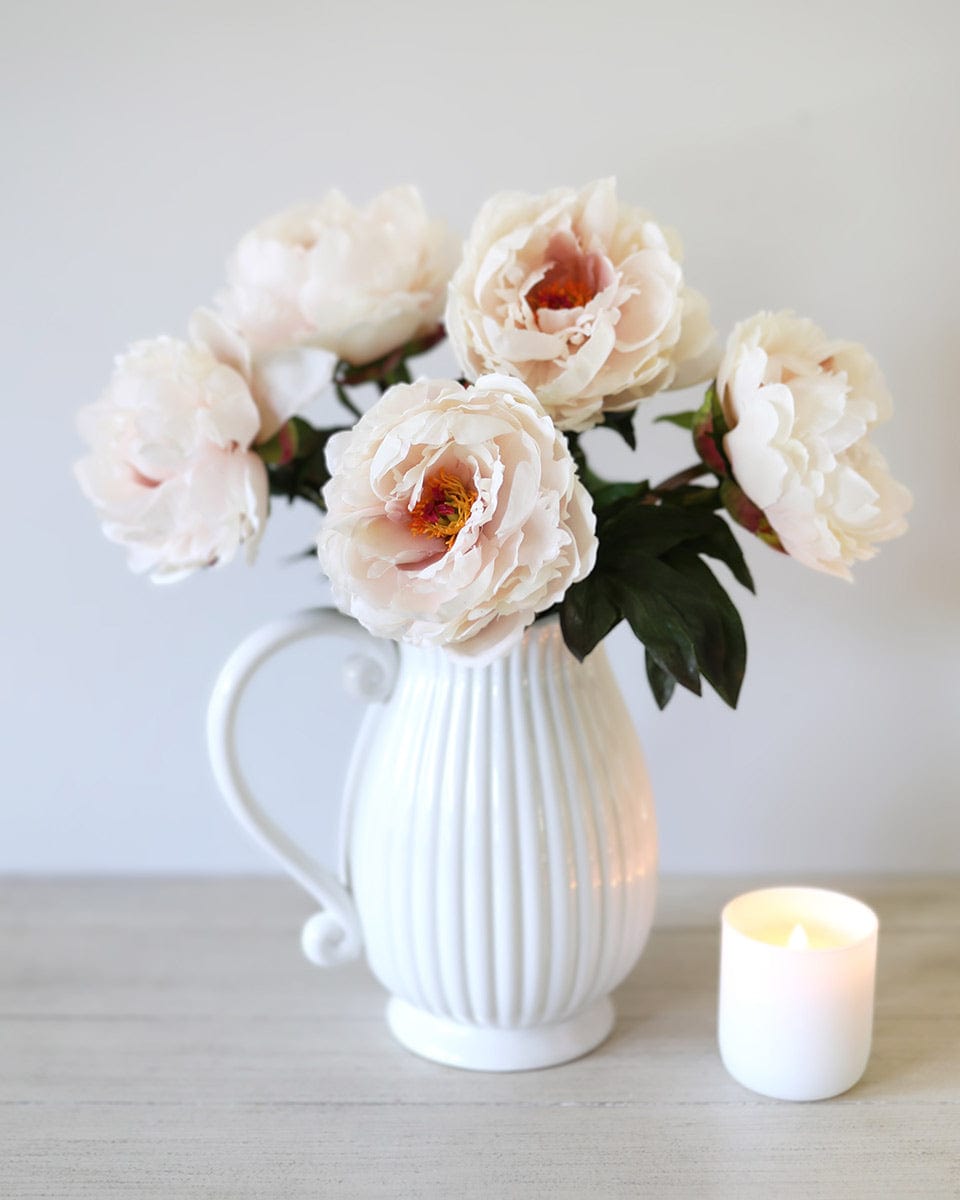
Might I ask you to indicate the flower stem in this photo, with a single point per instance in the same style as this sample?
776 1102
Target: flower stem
680 479
346 401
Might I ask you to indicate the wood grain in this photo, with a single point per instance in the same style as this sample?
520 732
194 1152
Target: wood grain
163 1038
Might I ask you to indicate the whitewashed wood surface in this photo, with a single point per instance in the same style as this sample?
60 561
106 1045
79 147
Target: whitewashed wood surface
164 1039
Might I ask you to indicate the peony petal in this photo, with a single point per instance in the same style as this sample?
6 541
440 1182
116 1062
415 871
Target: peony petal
286 382
567 354
697 352
528 533
169 472
800 407
582 367
224 341
356 282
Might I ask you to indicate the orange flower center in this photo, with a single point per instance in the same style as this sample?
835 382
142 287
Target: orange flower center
565 285
443 508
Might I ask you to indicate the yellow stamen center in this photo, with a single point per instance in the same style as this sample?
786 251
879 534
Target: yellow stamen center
443 508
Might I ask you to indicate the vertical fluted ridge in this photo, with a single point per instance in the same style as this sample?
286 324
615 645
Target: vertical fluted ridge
500 847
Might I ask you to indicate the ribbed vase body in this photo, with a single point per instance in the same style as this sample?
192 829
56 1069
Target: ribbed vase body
500 836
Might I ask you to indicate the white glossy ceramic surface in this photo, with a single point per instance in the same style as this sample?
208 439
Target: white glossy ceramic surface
499 844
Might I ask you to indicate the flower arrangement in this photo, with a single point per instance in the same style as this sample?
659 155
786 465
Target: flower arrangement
459 511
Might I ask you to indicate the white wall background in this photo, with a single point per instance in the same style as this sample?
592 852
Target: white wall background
809 155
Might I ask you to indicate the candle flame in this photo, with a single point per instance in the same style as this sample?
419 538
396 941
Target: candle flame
798 939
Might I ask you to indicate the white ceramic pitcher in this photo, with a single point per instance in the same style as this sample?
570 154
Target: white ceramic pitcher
498 844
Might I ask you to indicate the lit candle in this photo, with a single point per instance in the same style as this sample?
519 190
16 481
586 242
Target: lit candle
797 970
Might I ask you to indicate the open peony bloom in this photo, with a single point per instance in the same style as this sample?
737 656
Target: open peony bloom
455 515
358 282
281 382
171 472
799 407
581 297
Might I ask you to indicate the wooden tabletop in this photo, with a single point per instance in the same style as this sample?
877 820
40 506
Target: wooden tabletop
164 1039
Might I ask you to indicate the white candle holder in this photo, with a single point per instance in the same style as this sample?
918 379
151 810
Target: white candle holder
797 968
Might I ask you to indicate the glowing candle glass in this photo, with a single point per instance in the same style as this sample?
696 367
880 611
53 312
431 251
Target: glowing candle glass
797 970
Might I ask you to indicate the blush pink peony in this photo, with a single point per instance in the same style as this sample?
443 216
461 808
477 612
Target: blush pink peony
455 515
170 472
282 382
799 407
581 297
358 282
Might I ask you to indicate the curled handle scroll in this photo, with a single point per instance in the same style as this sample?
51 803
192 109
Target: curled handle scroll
333 935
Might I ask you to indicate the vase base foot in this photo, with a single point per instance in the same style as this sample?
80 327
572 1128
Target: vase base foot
483 1048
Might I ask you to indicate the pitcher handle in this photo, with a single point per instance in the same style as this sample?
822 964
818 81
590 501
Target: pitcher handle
333 935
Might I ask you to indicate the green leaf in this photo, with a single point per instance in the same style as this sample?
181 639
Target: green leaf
718 542
622 423
651 528
714 623
656 623
649 571
655 529
587 615
603 492
662 683
607 494
679 591
684 420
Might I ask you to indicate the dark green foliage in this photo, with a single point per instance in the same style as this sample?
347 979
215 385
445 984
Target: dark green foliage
622 423
684 420
661 682
651 572
303 474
